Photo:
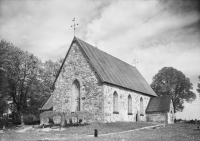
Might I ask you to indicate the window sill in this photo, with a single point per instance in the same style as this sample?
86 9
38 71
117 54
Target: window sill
115 112
130 114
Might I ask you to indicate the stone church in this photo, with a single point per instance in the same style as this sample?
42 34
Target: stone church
94 81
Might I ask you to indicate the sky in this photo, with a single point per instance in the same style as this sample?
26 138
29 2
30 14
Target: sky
157 33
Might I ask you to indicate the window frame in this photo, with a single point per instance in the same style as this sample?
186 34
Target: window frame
141 106
115 103
130 110
76 84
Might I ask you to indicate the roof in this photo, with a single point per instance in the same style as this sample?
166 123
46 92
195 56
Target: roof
110 70
48 104
159 104
114 71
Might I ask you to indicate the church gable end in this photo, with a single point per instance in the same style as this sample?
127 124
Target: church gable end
77 86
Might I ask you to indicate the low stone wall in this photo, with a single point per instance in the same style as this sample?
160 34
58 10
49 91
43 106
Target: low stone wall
157 117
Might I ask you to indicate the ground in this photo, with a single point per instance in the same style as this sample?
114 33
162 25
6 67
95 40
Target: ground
112 131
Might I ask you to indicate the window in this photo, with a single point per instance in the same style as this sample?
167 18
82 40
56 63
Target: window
141 107
115 103
171 116
75 96
129 105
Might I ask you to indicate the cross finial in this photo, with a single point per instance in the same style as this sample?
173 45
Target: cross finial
74 25
135 62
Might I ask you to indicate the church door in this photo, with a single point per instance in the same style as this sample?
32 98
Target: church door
75 96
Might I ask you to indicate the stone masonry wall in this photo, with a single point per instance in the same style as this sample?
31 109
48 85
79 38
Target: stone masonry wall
157 117
167 117
77 67
109 116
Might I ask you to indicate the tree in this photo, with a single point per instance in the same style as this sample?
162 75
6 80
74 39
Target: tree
21 76
49 72
4 61
24 79
170 81
46 76
198 87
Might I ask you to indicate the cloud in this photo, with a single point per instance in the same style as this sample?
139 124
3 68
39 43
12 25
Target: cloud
145 29
44 27
156 33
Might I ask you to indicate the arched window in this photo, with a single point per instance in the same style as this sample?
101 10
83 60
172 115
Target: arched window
171 116
115 103
75 96
129 105
141 107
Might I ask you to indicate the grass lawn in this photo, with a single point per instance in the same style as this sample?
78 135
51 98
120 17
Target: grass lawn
71 132
173 132
104 128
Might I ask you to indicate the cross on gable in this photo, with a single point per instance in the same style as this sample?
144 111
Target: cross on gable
135 62
74 26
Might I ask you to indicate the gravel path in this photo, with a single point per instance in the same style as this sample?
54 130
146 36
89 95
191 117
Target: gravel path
24 130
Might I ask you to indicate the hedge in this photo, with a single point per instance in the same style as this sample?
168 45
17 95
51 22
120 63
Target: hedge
65 117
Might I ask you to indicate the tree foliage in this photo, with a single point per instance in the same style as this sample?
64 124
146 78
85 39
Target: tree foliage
198 87
20 76
5 54
24 79
170 81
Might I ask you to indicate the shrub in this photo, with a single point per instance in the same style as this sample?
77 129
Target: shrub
57 119
4 122
50 114
65 118
51 117
31 119
78 117
44 120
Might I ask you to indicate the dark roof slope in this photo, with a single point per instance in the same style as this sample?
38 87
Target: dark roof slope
48 104
159 104
115 71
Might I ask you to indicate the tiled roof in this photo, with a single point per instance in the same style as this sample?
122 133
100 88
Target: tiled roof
48 104
114 71
159 104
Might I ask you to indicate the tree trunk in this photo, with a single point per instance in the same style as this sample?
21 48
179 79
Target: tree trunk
62 120
22 118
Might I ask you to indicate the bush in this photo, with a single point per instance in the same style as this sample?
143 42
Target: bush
65 118
57 119
50 114
78 117
31 120
3 122
51 117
